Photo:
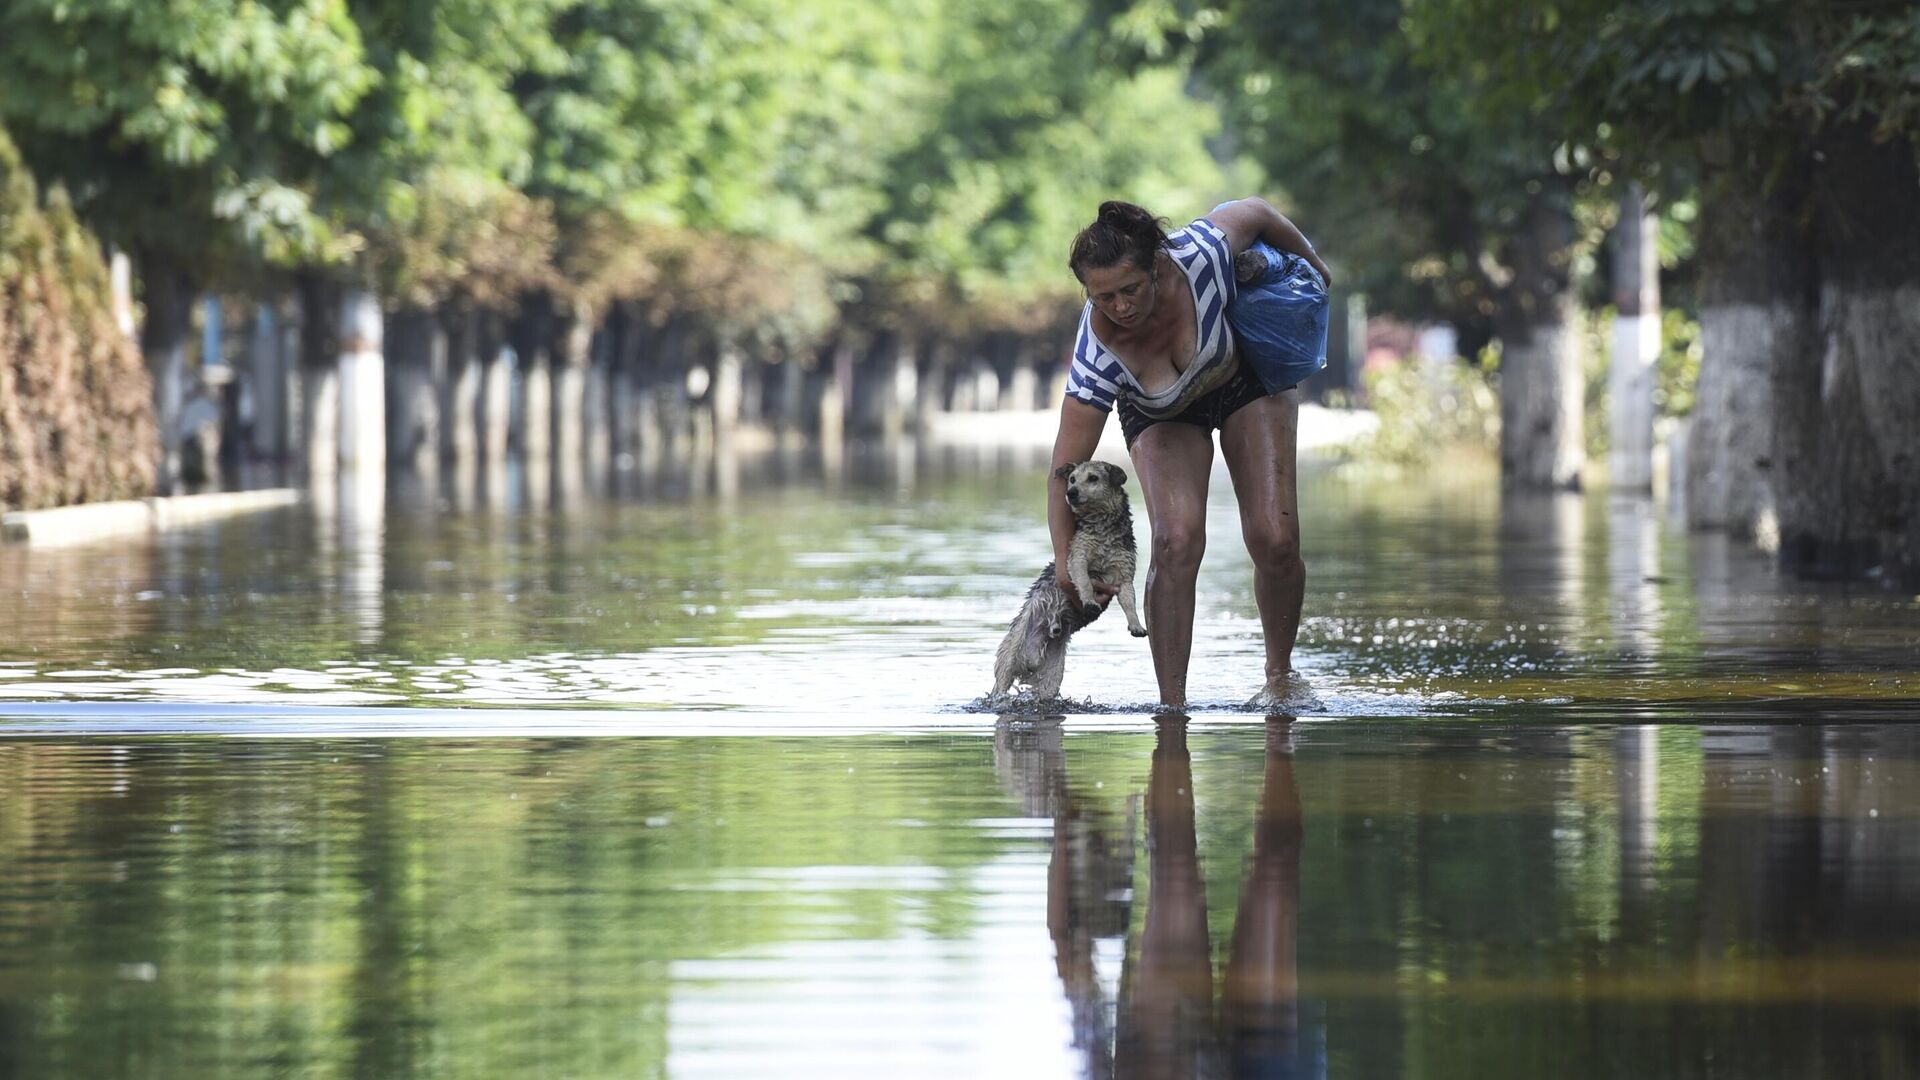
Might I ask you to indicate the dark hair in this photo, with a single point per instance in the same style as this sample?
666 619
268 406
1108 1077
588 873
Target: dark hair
1122 232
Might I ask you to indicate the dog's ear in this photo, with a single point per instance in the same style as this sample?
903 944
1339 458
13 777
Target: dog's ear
1116 475
1063 472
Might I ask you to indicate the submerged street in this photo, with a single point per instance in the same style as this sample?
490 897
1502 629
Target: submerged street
696 779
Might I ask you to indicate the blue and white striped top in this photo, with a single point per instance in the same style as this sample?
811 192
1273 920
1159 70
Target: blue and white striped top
1097 376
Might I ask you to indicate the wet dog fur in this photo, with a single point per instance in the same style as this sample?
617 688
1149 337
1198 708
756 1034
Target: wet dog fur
1034 651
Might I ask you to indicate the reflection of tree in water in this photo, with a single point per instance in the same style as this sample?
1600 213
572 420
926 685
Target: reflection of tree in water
1164 1020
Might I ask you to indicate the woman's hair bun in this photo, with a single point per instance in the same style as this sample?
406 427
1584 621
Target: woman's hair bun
1121 232
1127 216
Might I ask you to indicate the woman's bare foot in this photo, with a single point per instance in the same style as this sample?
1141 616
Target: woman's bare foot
1289 695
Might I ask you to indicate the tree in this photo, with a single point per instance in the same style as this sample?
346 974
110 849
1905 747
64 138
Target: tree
76 424
184 131
1436 208
1801 121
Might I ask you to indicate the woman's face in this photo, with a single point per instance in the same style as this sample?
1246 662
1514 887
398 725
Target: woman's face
1123 292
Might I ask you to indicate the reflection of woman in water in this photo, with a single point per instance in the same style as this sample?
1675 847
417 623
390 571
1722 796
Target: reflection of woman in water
1168 1025
1154 344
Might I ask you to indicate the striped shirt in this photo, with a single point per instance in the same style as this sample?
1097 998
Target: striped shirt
1097 376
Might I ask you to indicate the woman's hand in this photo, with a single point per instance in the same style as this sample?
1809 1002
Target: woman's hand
1103 593
1320 267
1250 219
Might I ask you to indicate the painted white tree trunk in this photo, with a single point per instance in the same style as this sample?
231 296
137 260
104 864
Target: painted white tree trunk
459 387
899 390
269 364
496 400
534 414
1542 385
1540 404
1729 483
597 429
418 349
725 394
1022 390
568 414
120 281
320 422
363 382
1636 344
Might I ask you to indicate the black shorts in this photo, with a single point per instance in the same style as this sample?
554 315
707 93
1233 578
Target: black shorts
1208 413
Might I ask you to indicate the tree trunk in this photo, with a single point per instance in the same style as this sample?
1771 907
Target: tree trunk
930 382
596 423
1753 320
625 329
571 353
789 415
1541 385
417 347
724 395
496 392
1848 442
1636 343
163 341
120 284
319 378
674 392
363 382
532 338
268 361
458 389
836 392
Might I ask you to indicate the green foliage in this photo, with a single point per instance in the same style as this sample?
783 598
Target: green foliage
1677 371
762 167
185 125
1429 409
1413 192
460 237
75 421
1029 131
1662 80
433 178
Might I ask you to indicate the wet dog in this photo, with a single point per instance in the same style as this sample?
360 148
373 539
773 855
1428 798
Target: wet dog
1035 648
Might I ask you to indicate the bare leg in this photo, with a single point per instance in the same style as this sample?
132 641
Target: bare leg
1258 442
1173 462
1166 1020
1259 1011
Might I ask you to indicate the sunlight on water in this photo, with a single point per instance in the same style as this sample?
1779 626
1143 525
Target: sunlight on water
691 784
801 595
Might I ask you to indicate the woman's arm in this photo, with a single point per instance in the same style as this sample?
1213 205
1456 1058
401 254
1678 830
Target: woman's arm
1255 219
1080 427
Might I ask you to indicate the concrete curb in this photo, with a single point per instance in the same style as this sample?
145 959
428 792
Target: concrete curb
88 522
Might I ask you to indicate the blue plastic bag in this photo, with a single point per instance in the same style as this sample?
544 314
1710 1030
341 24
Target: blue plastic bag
1279 320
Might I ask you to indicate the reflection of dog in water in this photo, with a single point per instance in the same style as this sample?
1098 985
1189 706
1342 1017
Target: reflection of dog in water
1035 648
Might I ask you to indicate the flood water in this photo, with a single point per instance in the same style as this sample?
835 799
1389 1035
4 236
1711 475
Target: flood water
481 777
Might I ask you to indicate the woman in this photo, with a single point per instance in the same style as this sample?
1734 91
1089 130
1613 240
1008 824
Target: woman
1154 342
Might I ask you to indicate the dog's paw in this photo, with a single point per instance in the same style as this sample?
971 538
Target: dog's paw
1092 611
1137 631
1249 266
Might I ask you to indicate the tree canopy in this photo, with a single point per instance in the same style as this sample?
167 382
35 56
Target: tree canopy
935 156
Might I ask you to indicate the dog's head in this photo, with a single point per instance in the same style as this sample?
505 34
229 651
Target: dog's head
1093 485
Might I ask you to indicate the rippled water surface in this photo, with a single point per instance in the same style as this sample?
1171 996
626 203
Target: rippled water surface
474 780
